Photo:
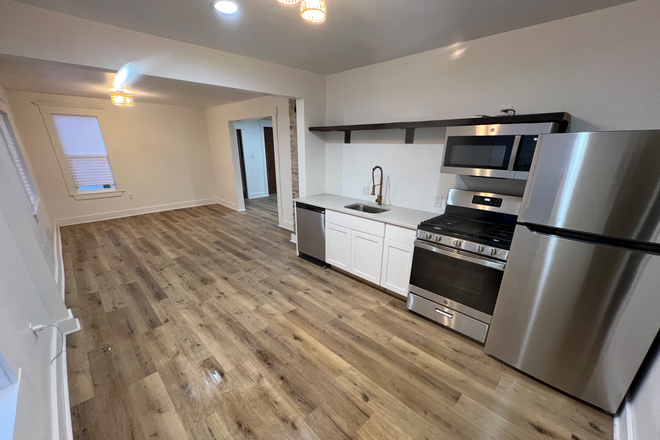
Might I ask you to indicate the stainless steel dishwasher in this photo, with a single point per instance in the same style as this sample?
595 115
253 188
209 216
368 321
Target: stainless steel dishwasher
310 233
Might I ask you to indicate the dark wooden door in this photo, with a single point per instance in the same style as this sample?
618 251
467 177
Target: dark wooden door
270 159
241 159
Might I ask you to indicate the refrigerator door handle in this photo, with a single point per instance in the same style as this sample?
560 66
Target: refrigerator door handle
622 243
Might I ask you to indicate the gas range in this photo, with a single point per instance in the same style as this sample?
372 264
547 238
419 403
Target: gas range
459 260
463 232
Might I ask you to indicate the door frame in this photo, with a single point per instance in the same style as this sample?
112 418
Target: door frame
258 113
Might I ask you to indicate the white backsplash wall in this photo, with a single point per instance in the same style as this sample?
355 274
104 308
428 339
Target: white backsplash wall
412 177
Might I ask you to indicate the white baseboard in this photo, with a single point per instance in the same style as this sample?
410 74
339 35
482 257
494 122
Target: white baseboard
623 423
64 429
287 225
137 211
69 325
258 195
233 205
294 238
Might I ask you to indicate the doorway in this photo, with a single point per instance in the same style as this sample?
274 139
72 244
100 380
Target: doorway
257 160
270 160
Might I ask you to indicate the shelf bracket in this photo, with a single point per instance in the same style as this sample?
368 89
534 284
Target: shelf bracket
347 136
410 135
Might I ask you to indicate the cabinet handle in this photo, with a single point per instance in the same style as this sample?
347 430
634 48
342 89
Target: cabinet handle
443 313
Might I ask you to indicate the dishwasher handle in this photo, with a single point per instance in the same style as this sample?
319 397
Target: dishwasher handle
310 207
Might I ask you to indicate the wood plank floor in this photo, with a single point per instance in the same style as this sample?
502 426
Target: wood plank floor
202 323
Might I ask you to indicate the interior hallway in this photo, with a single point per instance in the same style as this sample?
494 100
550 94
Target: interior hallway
203 324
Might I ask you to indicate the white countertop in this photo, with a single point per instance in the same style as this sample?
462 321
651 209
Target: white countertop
404 217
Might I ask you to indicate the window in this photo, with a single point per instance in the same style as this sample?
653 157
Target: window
80 149
19 161
85 152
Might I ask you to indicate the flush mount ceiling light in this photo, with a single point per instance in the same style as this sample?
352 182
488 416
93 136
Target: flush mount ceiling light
313 10
121 97
288 2
225 7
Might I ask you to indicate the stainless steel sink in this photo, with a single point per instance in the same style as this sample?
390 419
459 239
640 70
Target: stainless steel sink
366 208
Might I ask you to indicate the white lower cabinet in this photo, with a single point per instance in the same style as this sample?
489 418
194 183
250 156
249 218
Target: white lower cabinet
397 261
338 246
366 256
379 253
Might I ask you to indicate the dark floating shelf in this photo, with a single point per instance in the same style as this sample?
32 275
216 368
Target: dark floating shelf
562 118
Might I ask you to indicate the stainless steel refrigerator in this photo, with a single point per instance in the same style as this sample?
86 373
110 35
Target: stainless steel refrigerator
579 304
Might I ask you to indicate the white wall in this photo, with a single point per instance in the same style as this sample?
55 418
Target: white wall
159 154
224 150
412 177
638 418
37 33
254 152
601 67
28 294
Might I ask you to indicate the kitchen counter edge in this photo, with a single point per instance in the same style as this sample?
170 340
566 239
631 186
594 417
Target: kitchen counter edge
397 216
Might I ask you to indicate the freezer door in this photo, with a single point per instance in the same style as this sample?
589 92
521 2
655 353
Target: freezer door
576 315
601 183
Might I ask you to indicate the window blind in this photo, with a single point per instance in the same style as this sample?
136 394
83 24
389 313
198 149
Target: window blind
84 149
19 160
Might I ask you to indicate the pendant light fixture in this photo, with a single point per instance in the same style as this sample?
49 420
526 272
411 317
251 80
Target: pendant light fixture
313 10
288 2
121 97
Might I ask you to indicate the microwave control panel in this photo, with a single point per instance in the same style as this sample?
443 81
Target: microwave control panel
526 152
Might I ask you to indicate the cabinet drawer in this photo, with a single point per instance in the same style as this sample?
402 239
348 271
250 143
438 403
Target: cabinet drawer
448 317
400 235
356 223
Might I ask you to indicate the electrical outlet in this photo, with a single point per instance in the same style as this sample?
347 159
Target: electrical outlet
366 190
130 197
438 201
501 109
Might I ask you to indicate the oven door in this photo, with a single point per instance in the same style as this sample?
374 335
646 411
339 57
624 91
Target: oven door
457 279
485 156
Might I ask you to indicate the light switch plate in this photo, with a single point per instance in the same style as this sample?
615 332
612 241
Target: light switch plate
366 190
438 201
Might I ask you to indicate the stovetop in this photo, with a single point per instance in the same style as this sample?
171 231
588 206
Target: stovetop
497 234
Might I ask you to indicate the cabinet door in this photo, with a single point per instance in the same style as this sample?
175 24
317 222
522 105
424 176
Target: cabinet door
338 246
366 256
397 261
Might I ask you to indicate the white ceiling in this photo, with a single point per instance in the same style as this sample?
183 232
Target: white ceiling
356 32
25 75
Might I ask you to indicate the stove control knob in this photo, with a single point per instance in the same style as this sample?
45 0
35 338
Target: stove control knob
438 238
458 243
479 248
492 251
428 235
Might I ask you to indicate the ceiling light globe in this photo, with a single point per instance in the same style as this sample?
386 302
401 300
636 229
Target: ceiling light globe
313 10
289 2
225 7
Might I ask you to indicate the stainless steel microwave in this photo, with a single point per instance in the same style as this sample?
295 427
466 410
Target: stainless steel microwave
502 151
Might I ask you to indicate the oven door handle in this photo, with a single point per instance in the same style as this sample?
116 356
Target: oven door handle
499 265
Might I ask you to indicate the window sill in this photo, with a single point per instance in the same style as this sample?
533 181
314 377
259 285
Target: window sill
91 195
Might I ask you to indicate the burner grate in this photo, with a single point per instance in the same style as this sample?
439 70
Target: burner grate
445 221
498 233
